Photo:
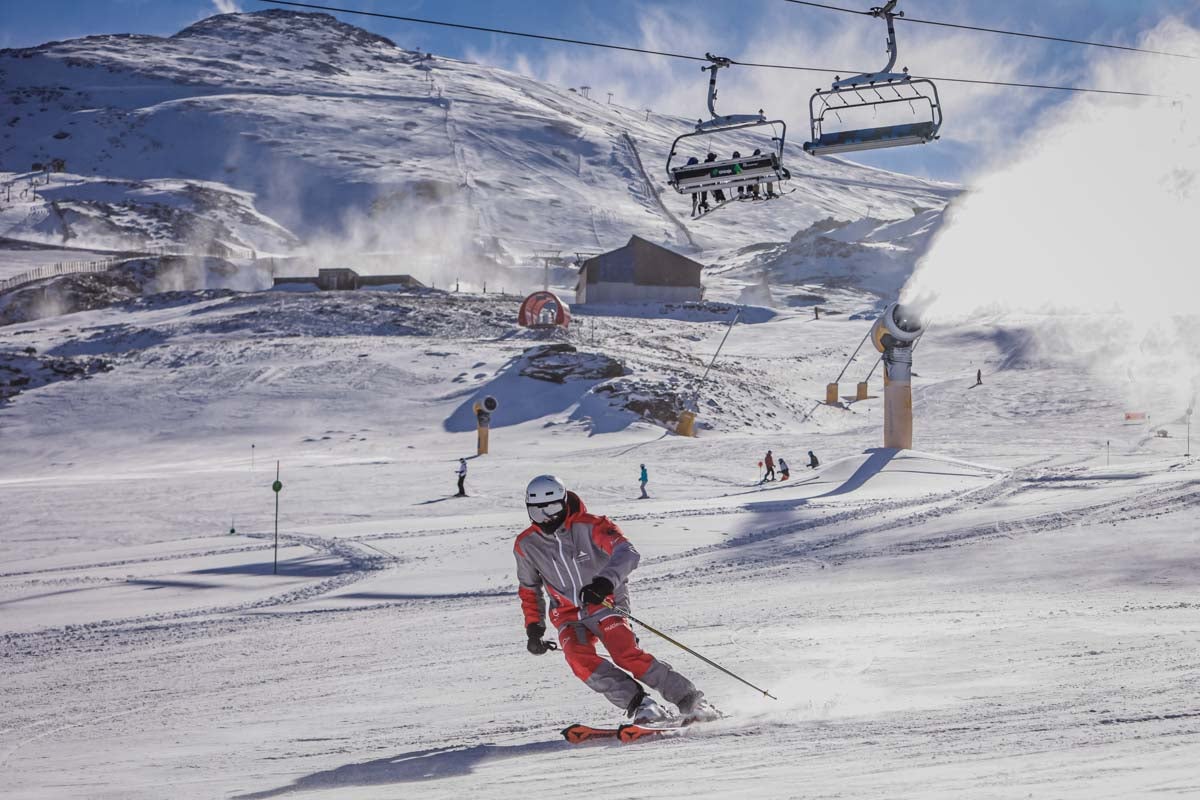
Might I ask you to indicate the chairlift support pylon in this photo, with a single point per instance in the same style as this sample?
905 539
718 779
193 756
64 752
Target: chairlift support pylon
856 92
730 172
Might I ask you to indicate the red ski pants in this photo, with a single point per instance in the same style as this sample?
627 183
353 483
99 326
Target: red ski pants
616 634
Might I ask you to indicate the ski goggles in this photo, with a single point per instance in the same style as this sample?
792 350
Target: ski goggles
544 512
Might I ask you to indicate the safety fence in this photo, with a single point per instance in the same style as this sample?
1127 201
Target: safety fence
105 264
60 268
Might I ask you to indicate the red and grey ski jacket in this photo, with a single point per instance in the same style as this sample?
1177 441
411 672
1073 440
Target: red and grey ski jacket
563 562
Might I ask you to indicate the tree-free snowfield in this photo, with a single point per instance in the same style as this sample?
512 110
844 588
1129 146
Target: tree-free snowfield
1008 610
1001 613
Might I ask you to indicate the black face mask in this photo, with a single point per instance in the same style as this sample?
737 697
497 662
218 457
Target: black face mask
552 525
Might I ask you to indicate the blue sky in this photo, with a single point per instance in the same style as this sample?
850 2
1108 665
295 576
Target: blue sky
981 125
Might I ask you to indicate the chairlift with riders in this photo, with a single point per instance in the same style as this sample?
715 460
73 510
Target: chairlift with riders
875 90
728 173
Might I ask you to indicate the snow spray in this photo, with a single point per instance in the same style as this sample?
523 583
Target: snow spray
1087 234
688 650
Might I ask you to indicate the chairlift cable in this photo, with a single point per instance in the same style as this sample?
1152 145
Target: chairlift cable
685 56
1000 31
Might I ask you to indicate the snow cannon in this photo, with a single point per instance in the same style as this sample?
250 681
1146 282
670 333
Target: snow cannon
483 422
895 333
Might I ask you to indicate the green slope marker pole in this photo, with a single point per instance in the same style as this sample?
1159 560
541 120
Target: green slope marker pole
276 487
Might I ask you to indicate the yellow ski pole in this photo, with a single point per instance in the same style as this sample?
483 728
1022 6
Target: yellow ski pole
687 649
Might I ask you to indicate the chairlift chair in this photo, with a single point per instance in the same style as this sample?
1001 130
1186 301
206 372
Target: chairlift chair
875 90
728 173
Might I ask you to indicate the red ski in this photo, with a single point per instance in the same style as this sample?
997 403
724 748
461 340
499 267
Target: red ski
635 733
578 734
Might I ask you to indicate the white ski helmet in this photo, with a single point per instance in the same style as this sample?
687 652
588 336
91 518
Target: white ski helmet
546 501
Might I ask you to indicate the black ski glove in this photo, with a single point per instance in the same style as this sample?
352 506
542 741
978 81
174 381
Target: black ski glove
597 591
535 631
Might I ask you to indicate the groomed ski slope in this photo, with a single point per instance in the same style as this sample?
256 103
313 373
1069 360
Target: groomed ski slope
1000 613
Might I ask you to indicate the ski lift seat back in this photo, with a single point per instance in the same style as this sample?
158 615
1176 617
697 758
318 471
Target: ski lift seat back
729 173
872 138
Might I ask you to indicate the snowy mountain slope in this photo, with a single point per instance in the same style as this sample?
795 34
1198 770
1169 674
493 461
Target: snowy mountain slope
338 133
998 614
119 215
1007 611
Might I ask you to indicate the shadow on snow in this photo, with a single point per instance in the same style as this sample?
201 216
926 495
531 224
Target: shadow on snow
417 766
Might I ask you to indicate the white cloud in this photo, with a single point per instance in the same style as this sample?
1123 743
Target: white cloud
227 6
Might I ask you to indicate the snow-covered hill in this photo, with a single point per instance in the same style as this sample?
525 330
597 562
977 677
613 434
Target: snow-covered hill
356 145
1008 611
1001 614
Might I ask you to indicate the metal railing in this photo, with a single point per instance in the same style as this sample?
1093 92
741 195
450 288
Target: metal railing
105 264
60 268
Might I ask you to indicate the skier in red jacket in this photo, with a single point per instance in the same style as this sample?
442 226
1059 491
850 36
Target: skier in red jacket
581 560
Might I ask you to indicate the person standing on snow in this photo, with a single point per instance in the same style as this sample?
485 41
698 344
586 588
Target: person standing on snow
784 473
583 561
642 480
462 478
813 462
769 462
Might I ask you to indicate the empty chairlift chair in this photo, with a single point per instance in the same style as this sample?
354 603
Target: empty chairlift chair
884 89
728 173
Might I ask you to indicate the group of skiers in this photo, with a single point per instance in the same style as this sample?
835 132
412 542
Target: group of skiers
784 471
461 472
700 199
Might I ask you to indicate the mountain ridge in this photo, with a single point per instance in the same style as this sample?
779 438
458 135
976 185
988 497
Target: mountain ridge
353 144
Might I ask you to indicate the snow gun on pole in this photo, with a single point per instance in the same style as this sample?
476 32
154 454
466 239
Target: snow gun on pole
687 649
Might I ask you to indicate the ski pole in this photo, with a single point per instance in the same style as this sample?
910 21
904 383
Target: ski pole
687 649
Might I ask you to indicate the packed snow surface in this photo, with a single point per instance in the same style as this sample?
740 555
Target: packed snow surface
1007 611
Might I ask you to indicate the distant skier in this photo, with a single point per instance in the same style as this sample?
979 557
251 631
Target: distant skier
642 480
978 378
813 461
462 478
582 561
769 462
718 194
784 472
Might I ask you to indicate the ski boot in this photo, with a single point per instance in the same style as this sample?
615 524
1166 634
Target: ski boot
645 711
694 708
